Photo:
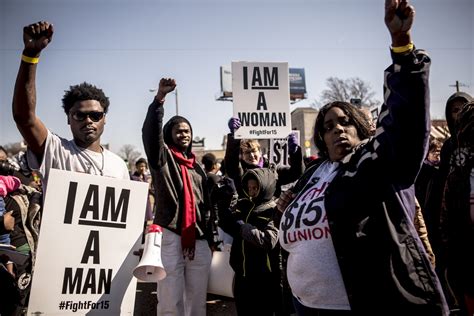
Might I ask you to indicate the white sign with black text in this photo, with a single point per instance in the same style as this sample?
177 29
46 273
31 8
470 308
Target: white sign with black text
90 228
261 96
279 154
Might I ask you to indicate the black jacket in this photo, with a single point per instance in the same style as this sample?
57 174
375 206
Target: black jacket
167 179
250 223
370 204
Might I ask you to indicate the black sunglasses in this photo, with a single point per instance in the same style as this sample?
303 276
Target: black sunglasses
93 115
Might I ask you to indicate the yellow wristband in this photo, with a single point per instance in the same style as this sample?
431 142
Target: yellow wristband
30 60
403 49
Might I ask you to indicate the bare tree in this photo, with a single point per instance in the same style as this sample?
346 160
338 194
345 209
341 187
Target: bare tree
129 154
344 90
14 148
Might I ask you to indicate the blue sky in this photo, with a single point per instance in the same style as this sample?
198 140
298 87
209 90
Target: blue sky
125 47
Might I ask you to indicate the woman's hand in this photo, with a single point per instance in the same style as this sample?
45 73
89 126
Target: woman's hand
284 200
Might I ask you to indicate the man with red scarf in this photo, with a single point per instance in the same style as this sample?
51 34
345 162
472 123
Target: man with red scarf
182 207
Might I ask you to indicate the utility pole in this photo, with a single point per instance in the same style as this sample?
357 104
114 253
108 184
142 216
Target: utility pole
176 99
457 85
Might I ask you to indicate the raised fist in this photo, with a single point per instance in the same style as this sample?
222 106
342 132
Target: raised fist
166 86
234 124
399 17
36 37
293 143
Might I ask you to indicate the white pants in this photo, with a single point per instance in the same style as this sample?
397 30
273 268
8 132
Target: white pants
184 289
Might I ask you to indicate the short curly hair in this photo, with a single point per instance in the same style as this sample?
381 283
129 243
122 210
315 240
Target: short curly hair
249 144
209 161
82 92
356 117
434 145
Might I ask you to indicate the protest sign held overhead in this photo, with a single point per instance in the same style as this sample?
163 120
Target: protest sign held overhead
279 154
261 99
85 251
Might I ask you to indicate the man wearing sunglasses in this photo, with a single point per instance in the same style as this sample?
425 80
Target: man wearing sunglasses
85 106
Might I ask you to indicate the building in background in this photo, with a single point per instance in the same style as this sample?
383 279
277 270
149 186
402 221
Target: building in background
303 119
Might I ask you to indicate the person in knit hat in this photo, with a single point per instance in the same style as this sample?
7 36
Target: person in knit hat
182 208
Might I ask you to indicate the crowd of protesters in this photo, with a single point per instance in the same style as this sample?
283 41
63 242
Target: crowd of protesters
381 222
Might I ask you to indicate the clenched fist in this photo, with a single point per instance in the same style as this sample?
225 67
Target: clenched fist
166 86
36 37
399 17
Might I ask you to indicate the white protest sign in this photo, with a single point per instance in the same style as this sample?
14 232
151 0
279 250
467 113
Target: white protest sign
279 154
261 97
91 225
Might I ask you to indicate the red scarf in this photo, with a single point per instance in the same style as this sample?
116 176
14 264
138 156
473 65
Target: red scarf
188 225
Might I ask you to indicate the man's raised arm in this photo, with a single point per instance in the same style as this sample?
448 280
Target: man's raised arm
35 38
152 130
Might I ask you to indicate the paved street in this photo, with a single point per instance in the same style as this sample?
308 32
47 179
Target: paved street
220 305
145 302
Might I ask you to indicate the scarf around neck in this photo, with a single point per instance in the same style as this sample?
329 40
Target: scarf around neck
188 223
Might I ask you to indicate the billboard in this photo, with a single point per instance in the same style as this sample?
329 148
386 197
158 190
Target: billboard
226 81
297 84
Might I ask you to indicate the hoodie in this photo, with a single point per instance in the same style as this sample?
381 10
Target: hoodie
166 176
251 225
450 144
449 108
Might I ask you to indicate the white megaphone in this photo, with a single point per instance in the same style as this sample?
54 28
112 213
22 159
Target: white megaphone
150 268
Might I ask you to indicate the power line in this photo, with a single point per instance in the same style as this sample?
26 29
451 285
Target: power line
458 84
